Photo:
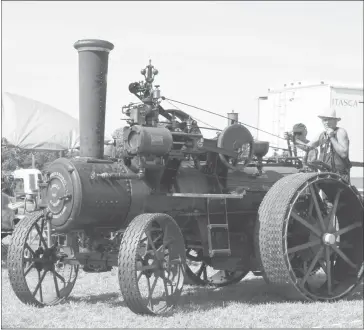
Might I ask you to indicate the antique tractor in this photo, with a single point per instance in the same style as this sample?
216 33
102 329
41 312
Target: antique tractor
177 205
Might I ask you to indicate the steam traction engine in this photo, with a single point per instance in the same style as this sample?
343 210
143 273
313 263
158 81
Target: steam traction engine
177 205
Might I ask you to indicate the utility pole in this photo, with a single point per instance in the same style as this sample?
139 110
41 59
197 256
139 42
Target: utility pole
260 98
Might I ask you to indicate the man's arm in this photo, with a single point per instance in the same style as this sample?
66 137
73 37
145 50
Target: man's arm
341 142
310 145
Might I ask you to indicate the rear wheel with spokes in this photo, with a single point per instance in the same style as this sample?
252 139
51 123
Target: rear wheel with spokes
199 271
37 272
311 235
151 264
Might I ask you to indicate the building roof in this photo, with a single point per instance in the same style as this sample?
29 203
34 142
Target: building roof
331 84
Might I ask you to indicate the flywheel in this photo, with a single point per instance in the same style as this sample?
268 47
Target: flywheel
236 138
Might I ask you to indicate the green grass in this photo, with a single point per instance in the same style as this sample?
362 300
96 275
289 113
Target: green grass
96 302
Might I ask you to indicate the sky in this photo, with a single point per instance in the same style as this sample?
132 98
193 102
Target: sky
215 55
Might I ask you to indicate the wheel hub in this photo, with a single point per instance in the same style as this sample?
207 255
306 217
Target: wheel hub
45 259
329 239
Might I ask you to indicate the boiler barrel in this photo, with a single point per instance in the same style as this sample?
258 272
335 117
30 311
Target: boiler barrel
78 198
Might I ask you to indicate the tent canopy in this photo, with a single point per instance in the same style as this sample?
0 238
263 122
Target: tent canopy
29 124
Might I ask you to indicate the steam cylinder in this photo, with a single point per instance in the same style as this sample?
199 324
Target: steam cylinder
93 65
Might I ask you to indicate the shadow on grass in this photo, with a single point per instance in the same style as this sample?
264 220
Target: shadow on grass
99 298
252 291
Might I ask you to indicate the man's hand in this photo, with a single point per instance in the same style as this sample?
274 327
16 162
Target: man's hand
303 146
288 135
330 132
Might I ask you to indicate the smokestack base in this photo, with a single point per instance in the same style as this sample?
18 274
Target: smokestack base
93 57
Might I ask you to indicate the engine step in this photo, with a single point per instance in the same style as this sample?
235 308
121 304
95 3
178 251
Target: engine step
217 228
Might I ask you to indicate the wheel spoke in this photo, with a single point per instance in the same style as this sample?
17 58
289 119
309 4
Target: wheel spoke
348 228
334 208
29 249
149 294
31 266
199 273
328 270
317 207
150 290
39 283
41 238
40 287
166 288
60 277
154 284
303 246
205 274
158 237
151 242
312 265
139 276
41 229
323 266
56 284
168 280
343 256
305 223
310 209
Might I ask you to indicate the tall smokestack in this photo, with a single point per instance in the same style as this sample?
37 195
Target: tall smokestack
233 118
93 64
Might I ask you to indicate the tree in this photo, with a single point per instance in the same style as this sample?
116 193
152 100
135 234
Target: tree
118 135
13 157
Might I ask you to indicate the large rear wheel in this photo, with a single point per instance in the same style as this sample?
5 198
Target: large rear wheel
151 264
199 271
311 237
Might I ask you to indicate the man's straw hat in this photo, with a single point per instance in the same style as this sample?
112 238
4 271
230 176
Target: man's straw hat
329 113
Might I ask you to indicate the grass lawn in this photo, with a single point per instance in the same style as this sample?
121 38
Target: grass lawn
96 302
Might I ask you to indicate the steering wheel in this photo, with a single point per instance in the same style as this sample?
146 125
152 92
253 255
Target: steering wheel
319 165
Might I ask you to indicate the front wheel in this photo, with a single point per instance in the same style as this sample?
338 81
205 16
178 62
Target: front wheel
151 264
37 273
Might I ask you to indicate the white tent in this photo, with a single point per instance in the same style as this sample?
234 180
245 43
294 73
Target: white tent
30 124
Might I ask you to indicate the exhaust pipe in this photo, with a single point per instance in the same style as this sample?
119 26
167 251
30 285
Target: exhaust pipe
93 64
233 118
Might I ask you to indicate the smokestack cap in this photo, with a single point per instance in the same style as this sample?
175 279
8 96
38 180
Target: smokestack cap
93 45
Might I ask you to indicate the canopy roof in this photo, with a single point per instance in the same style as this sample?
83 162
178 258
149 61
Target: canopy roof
30 124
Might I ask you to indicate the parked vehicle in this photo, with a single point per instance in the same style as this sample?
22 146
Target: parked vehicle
175 196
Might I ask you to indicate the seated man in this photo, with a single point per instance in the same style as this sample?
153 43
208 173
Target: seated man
300 133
